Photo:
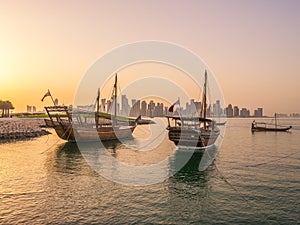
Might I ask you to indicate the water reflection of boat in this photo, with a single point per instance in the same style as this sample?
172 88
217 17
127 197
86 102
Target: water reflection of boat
262 126
193 131
196 167
66 158
105 126
189 164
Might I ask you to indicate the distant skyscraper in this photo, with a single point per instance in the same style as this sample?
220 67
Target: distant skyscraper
208 111
159 110
133 101
125 106
244 112
193 107
217 110
229 111
136 108
236 111
29 108
258 112
150 111
144 108
198 107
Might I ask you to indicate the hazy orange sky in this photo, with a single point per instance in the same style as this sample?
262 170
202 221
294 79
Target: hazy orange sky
251 46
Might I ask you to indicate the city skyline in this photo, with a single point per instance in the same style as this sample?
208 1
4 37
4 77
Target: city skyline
136 107
140 107
151 108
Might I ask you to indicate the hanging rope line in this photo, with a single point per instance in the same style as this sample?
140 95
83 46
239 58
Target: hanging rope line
58 139
225 179
249 203
274 160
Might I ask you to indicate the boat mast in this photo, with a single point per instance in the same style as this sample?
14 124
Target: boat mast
275 121
204 103
97 108
204 95
115 101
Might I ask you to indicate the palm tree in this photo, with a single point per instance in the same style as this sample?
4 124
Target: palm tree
5 106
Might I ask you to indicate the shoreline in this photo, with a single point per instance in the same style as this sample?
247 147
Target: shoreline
21 128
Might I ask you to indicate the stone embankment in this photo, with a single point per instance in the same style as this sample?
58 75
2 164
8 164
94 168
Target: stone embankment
19 128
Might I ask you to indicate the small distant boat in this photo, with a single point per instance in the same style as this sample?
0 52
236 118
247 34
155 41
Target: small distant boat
221 123
196 132
104 126
262 126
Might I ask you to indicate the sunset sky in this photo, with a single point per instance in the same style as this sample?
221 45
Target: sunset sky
251 46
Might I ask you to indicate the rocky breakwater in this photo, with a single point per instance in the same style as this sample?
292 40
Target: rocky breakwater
18 128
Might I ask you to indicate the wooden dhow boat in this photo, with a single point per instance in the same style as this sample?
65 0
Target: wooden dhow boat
262 126
73 126
198 132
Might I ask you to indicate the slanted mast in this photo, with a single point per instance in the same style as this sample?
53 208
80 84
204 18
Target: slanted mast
97 108
115 101
204 103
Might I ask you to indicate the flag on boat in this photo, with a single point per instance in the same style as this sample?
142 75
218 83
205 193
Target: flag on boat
98 96
171 109
47 94
138 118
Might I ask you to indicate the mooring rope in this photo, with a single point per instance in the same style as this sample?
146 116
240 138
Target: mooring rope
249 203
58 139
274 160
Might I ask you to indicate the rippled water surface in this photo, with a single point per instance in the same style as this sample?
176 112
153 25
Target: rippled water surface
254 179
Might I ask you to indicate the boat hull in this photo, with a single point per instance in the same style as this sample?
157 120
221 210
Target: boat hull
192 138
255 129
104 133
66 132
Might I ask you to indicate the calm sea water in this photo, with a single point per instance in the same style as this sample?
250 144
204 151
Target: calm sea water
255 179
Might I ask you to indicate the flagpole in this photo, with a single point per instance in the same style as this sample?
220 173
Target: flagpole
179 111
51 97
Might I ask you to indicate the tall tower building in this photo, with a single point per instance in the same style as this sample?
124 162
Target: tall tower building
260 112
125 106
144 108
229 111
236 111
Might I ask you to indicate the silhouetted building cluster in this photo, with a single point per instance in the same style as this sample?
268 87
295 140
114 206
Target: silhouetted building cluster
243 112
191 108
143 108
295 115
157 109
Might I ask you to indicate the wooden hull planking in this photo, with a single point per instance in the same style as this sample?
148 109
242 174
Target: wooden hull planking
193 138
93 134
